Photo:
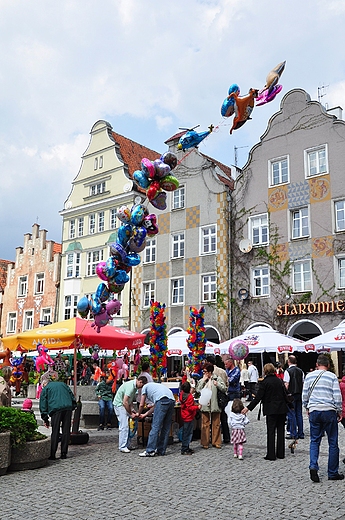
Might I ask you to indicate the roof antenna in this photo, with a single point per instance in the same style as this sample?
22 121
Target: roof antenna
321 92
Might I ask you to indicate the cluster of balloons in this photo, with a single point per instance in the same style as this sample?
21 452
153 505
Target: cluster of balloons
242 106
196 340
238 349
137 224
156 178
158 339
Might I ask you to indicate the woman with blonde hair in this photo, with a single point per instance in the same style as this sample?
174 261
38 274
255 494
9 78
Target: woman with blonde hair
272 395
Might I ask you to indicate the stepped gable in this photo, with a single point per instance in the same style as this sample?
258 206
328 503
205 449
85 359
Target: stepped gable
57 248
3 273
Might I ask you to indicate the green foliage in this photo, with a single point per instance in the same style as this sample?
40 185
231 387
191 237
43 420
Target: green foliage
21 425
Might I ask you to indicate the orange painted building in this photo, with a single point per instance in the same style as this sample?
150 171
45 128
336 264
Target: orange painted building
30 295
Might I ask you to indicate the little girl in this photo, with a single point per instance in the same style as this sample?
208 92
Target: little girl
237 422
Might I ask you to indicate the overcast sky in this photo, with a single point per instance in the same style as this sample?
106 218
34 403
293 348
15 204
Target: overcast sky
148 67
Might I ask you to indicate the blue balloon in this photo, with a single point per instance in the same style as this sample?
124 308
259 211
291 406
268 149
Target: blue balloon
132 259
124 234
83 307
102 292
140 177
121 277
96 305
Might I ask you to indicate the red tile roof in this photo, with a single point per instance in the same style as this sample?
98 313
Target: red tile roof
131 152
57 248
3 272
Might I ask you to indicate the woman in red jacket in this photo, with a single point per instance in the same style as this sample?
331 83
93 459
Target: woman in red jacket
188 412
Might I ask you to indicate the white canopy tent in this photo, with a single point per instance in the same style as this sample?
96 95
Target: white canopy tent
263 339
330 341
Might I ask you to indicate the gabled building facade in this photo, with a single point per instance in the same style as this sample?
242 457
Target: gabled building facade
288 244
186 264
30 295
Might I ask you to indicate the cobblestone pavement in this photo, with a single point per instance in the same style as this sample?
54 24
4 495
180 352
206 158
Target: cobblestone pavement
97 481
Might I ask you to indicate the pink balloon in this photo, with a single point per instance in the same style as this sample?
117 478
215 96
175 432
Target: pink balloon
238 349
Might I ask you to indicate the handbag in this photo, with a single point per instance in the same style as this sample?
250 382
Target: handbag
205 396
289 399
222 399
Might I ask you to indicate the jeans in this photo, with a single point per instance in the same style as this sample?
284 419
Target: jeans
110 410
327 421
295 418
122 415
187 435
161 424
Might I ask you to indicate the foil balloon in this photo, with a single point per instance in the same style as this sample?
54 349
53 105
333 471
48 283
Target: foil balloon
228 106
124 214
148 168
238 349
142 179
83 307
124 234
100 270
160 201
162 169
265 96
169 183
137 214
244 108
191 139
102 292
150 223
170 159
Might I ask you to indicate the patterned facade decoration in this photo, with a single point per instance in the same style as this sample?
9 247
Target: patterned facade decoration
192 266
320 189
298 194
162 270
322 246
164 223
193 217
282 250
277 198
299 250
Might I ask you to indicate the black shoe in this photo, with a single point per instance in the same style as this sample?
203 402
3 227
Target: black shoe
186 453
226 441
63 456
52 457
100 427
267 458
314 476
338 476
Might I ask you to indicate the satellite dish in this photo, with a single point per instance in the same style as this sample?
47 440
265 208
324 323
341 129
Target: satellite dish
245 245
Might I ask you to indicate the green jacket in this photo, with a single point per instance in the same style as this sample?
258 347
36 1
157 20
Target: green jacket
56 396
103 390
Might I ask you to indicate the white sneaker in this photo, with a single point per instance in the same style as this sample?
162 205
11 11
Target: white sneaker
240 457
145 454
235 455
125 450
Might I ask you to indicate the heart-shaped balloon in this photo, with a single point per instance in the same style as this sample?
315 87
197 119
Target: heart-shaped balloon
153 190
162 169
160 201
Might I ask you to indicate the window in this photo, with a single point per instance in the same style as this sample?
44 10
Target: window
71 307
11 322
92 223
178 198
209 287
339 207
177 291
261 281
95 164
300 223
341 273
97 189
72 265
101 161
101 221
28 320
150 251
301 276
93 257
113 219
46 315
258 229
279 171
80 226
22 286
148 293
71 232
208 240
316 161
177 245
39 283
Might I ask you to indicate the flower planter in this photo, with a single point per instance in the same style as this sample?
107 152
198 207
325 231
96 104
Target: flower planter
33 455
5 452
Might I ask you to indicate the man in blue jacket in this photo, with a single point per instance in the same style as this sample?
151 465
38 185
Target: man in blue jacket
57 402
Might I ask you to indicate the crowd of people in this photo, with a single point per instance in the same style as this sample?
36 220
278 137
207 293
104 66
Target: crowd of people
281 393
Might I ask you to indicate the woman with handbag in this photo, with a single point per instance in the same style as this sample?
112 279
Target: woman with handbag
272 394
210 412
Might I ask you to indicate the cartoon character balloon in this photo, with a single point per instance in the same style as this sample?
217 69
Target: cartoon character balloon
192 138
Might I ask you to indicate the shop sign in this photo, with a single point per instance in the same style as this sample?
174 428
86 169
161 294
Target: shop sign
294 309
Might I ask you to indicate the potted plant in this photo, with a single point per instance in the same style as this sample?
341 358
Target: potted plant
30 449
